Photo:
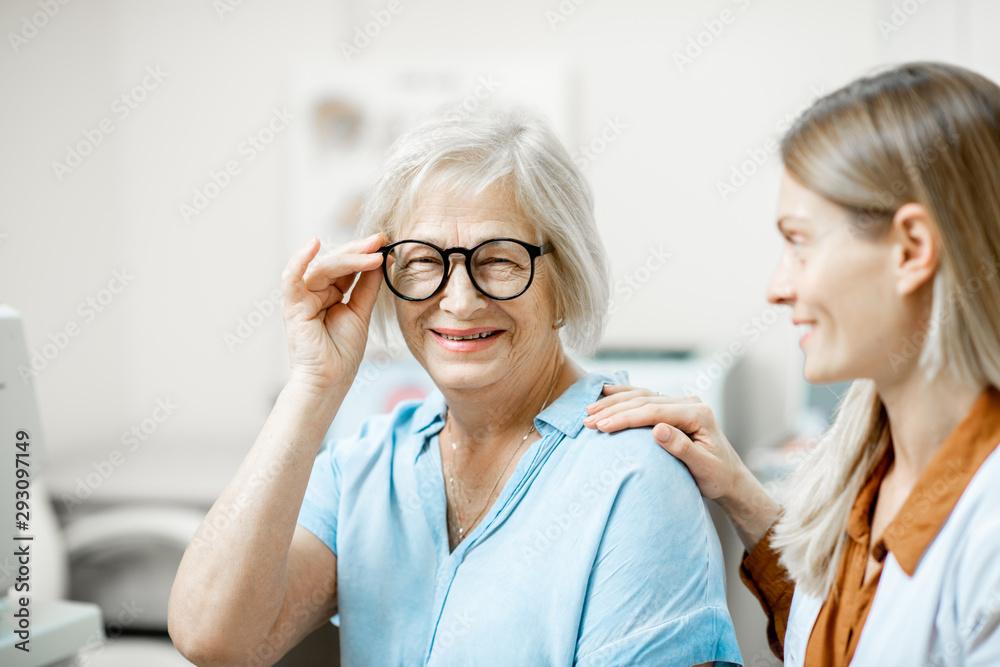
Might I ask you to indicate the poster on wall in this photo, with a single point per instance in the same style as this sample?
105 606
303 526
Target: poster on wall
355 112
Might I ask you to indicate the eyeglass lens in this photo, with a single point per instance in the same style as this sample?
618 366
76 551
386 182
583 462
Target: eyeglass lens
501 269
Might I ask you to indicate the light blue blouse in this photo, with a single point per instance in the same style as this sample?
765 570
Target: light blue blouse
598 551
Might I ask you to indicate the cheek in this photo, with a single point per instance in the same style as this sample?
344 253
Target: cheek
408 316
541 296
536 322
851 296
826 281
527 322
533 317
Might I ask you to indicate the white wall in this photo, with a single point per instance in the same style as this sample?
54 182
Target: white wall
656 185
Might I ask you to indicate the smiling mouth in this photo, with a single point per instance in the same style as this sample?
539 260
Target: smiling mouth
485 334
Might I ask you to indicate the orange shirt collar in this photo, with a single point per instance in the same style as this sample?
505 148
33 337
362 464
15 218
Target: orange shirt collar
938 489
859 522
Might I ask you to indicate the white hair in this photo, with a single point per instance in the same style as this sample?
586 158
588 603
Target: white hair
515 150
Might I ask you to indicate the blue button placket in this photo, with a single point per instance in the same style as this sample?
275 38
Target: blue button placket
430 481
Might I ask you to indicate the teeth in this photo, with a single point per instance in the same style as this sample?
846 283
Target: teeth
472 337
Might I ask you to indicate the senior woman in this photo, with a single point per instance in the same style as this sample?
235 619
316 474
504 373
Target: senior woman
887 550
482 525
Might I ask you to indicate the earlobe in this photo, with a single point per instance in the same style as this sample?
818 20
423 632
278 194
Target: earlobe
560 320
917 244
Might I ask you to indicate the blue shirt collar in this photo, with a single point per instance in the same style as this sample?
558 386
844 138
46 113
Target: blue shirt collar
565 414
430 414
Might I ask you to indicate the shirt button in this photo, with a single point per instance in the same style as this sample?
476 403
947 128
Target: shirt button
879 551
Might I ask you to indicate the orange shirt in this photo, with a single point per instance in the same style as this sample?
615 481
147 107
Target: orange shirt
837 630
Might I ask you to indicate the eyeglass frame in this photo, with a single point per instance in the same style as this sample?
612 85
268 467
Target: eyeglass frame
534 251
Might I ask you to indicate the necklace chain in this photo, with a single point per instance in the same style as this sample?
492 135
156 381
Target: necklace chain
454 446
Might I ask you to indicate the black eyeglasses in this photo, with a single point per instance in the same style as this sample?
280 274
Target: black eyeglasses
502 269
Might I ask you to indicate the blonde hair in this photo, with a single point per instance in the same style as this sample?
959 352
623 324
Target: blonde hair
927 133
516 151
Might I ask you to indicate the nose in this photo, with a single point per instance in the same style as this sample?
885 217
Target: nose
780 289
459 296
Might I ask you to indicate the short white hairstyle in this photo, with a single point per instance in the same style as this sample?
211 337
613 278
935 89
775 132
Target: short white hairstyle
515 150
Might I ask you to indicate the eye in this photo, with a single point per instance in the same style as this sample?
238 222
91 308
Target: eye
422 265
797 241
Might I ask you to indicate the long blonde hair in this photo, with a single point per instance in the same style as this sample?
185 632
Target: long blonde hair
926 133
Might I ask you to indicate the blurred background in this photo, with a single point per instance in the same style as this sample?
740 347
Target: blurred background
161 161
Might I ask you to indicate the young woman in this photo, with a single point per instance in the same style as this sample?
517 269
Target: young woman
886 550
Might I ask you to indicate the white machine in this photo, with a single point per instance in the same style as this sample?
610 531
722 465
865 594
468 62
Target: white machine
36 628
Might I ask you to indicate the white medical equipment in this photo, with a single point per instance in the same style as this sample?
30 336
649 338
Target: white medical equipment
32 559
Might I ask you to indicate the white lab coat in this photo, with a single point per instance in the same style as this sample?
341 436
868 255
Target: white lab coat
948 612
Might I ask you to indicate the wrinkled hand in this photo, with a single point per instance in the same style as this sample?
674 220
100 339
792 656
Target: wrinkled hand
326 335
685 427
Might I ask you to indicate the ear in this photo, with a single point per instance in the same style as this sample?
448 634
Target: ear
916 247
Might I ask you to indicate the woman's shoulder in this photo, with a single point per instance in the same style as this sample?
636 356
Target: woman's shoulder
632 453
976 510
978 502
968 562
965 553
635 461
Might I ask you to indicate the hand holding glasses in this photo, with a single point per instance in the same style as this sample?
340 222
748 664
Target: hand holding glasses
501 269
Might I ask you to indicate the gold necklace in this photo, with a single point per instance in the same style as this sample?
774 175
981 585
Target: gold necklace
454 447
